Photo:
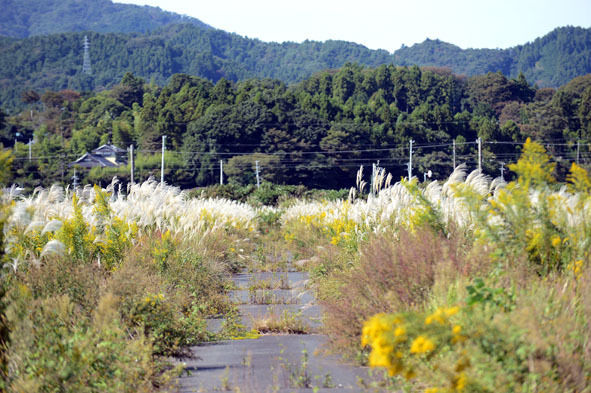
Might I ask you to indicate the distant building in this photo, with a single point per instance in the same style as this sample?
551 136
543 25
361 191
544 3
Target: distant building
103 156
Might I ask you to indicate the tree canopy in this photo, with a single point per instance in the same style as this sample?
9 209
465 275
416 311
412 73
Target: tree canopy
316 132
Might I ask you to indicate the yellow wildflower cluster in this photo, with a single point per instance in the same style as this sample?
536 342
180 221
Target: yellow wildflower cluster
115 239
163 249
105 242
422 344
339 230
578 179
289 237
27 243
402 344
576 267
441 315
385 334
154 299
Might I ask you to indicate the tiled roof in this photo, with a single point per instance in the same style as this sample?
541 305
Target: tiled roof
108 150
92 160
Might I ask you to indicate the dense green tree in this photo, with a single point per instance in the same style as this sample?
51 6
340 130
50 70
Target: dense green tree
317 132
129 91
584 113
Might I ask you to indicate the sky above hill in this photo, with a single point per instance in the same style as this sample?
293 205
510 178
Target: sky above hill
386 24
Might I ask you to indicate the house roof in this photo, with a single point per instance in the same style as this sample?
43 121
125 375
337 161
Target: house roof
92 160
108 150
103 156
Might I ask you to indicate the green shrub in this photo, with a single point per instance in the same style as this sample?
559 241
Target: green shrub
54 348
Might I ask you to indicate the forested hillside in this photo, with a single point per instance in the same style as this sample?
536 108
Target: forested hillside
24 18
54 62
551 60
317 132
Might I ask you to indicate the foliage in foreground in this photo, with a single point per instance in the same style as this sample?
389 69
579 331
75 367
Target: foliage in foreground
102 289
472 286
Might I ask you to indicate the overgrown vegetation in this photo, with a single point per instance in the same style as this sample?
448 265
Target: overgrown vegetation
97 299
494 302
472 285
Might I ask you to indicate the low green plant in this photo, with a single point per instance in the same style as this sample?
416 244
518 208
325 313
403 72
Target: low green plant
269 220
4 326
299 376
233 328
54 348
479 293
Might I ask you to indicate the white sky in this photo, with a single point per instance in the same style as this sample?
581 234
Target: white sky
383 24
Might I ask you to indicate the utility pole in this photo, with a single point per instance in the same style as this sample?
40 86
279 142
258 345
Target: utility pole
578 151
503 170
162 166
479 154
75 180
373 177
30 153
257 172
454 153
131 163
221 172
410 161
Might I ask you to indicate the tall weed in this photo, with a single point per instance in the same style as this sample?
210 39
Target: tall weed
394 273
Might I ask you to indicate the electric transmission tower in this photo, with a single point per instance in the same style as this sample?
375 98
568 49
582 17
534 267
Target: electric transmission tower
86 68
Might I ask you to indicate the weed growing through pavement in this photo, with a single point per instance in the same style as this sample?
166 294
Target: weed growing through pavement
287 322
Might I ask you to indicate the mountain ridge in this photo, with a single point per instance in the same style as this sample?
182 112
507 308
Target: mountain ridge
54 61
26 18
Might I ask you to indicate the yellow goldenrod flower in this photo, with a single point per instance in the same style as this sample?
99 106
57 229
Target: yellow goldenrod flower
373 328
437 316
576 267
556 241
378 358
452 311
431 390
456 329
459 382
399 331
422 344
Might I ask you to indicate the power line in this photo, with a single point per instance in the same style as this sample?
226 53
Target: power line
317 152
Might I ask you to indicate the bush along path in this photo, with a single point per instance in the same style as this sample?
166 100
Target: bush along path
277 345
